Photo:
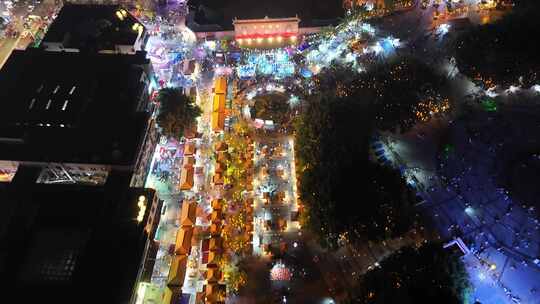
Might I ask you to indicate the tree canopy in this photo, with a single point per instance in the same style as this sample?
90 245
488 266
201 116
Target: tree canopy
397 94
502 52
347 195
176 112
271 106
429 274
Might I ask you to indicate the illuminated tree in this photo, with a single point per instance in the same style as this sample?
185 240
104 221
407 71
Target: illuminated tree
271 107
502 52
397 94
342 190
235 278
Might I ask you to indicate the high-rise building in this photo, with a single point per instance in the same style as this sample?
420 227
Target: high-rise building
76 115
76 139
75 243
95 28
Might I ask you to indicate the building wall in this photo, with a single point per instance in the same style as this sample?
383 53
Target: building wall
214 35
266 32
308 30
265 27
144 159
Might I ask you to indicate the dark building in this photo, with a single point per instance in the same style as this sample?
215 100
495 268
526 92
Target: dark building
214 16
95 28
78 115
76 139
75 243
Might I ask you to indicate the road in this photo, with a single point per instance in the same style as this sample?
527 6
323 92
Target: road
19 14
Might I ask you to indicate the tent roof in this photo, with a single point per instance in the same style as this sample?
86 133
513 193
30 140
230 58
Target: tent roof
177 271
215 229
213 275
216 215
186 178
218 178
183 240
219 103
220 167
217 203
222 156
188 161
220 85
216 243
212 257
187 216
221 146
218 121
189 148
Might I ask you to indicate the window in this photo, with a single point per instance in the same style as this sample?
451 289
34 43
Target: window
59 269
52 256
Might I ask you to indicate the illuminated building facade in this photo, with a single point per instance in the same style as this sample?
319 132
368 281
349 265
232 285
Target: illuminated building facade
266 32
285 22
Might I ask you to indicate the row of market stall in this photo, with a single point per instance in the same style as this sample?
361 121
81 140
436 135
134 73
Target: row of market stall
193 254
214 289
187 172
222 156
249 203
277 209
211 244
182 249
218 107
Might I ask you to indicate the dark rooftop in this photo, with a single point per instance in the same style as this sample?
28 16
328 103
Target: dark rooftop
73 107
88 26
71 243
212 15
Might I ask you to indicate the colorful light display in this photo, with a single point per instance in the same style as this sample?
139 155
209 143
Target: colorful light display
280 272
265 63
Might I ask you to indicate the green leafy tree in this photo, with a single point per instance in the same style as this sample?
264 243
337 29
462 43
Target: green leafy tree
504 52
346 194
271 107
429 274
393 92
176 112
